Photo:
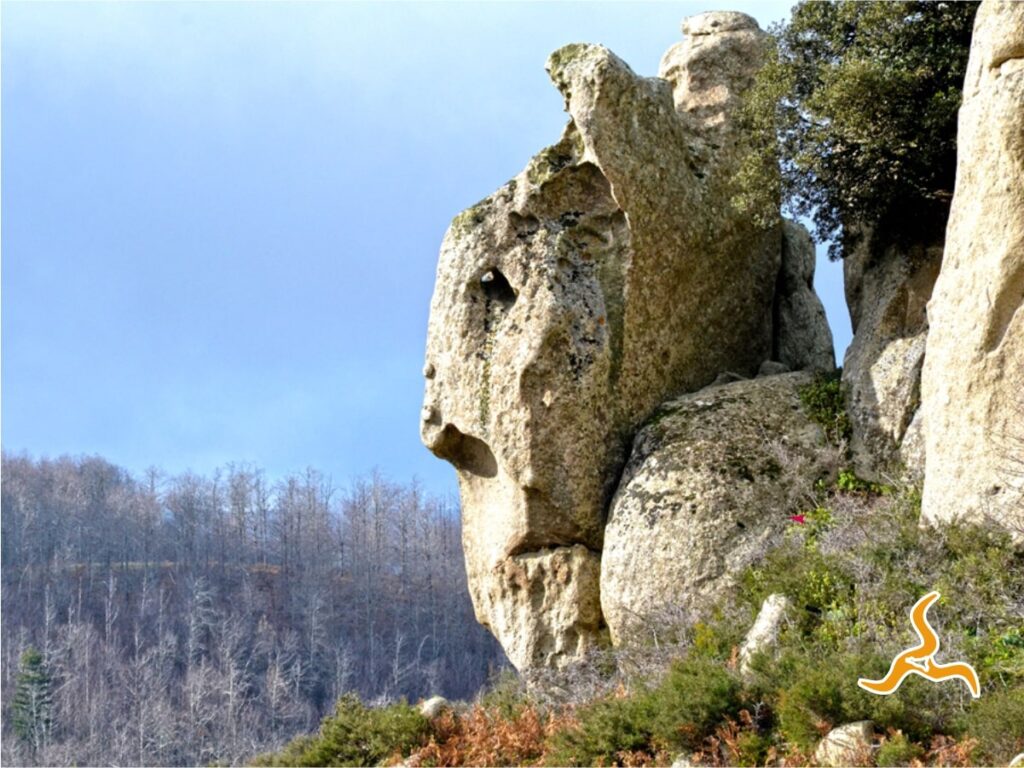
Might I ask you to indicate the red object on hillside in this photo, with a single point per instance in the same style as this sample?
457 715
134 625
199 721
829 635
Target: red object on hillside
797 519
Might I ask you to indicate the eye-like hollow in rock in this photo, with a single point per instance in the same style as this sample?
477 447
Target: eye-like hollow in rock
497 288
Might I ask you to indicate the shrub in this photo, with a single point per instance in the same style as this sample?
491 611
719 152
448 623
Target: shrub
996 720
678 713
852 576
823 401
505 693
356 735
736 742
897 749
485 736
697 693
604 730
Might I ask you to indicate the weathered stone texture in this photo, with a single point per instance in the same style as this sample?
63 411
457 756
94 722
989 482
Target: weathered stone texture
803 340
704 494
887 290
711 67
974 358
848 744
609 274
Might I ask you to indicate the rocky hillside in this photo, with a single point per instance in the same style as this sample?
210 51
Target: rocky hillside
617 349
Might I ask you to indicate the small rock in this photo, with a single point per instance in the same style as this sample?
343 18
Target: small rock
845 745
772 368
434 706
764 634
727 377
682 761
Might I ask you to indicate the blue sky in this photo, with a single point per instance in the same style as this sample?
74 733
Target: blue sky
220 221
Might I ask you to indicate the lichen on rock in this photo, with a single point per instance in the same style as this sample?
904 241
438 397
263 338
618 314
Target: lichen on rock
612 273
707 490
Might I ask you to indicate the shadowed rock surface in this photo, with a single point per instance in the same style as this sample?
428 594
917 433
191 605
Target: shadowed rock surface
887 290
803 340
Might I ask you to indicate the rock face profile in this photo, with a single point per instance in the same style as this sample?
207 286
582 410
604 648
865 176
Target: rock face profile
973 375
704 476
612 273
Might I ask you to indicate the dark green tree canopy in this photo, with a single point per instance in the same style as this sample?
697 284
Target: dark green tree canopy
863 97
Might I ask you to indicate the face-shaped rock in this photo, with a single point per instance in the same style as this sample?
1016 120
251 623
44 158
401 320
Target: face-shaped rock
607 275
520 368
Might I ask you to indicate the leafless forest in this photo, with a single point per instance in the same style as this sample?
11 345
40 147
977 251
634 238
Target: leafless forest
192 620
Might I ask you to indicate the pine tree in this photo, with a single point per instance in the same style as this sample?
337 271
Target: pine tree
33 700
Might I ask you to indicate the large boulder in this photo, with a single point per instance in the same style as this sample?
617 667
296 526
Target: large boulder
707 491
888 285
974 358
609 274
710 68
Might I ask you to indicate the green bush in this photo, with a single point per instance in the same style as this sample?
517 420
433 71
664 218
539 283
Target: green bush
996 720
823 401
506 694
852 579
810 689
356 735
816 583
678 713
697 693
898 750
605 729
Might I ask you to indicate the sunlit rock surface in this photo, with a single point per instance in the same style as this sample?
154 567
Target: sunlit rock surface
973 379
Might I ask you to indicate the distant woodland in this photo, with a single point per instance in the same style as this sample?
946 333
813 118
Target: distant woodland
189 620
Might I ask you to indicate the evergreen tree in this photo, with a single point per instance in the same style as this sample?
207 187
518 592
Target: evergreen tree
33 700
862 99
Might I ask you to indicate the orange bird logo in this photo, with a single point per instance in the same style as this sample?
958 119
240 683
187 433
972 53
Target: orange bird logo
919 660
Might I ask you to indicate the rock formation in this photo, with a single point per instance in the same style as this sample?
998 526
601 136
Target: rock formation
706 476
887 290
848 744
610 274
974 357
803 340
763 636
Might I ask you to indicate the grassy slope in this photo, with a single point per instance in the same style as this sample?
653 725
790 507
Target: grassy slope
852 570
